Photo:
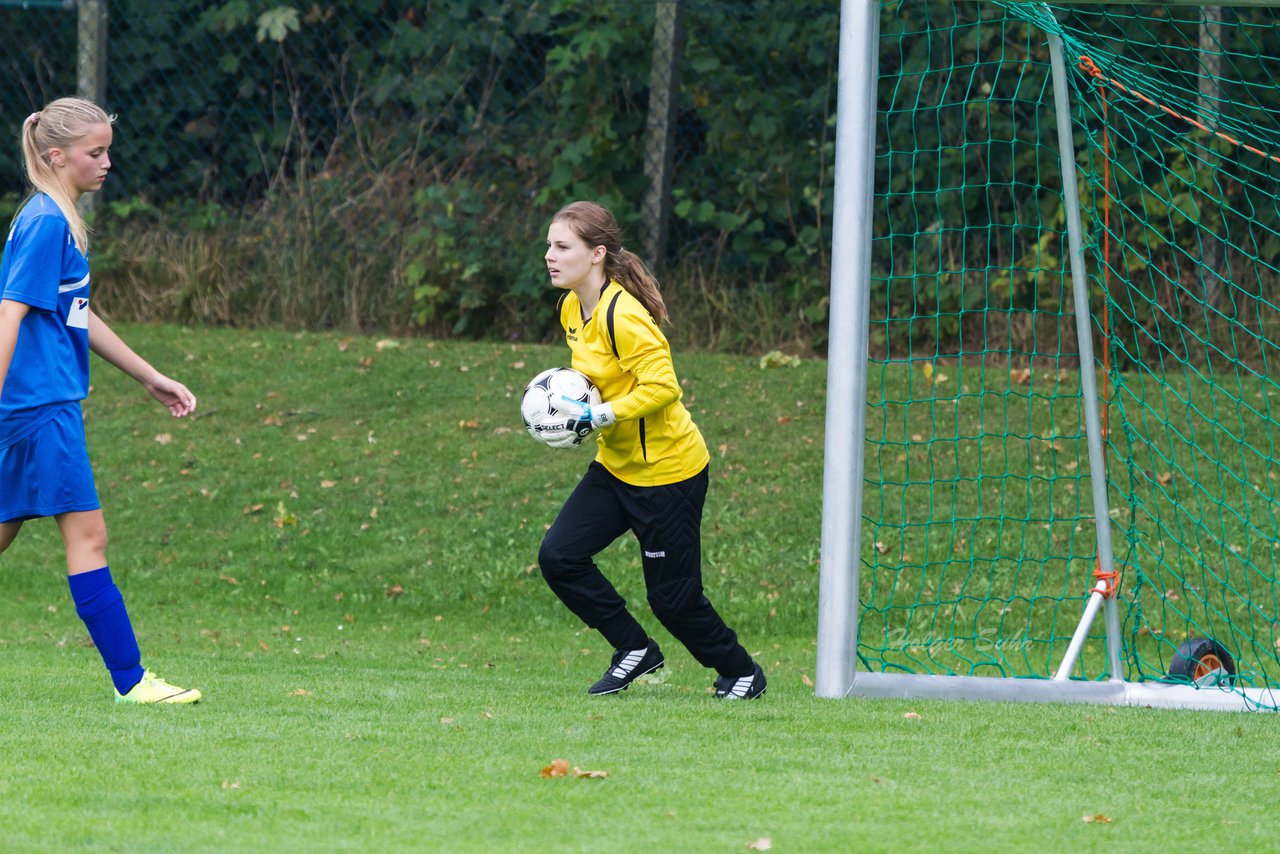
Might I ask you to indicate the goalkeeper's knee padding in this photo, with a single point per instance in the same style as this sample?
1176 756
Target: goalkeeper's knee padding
673 598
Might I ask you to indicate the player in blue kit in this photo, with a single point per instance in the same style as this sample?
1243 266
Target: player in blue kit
47 329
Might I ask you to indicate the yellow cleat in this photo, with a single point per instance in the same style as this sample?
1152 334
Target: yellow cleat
152 689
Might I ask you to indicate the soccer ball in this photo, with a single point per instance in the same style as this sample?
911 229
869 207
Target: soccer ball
538 406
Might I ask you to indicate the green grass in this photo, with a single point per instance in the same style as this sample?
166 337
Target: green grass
340 553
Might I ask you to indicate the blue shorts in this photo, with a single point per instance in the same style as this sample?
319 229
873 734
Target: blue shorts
47 472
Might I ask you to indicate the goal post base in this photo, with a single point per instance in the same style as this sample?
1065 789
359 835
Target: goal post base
1109 693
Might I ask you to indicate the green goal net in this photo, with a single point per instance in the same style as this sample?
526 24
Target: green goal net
979 540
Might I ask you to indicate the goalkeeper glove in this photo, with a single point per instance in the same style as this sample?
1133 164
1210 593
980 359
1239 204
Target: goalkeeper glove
560 438
587 417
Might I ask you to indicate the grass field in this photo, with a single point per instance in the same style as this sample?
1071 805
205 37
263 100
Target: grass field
340 552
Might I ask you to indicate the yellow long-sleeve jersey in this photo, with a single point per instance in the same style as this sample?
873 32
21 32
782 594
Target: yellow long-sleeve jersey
654 441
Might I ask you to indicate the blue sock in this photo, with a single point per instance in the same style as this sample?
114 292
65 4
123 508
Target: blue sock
100 605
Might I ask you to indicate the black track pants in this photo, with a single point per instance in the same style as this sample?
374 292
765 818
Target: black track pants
667 520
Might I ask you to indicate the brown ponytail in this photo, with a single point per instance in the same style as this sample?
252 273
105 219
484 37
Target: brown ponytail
596 225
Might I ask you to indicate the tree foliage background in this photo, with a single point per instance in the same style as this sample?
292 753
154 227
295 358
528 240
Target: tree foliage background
376 164
373 164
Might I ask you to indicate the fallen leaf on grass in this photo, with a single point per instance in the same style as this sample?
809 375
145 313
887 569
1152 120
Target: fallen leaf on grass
912 716
807 681
164 438
557 768
230 784
299 692
560 768
778 359
394 590
764 843
1098 818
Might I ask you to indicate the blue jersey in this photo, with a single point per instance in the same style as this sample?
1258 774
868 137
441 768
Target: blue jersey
43 268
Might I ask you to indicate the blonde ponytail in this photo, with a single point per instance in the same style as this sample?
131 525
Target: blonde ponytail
61 124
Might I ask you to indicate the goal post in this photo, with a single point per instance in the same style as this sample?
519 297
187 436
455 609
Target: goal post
1050 459
851 225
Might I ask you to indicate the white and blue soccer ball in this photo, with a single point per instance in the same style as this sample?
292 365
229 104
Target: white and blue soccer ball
540 404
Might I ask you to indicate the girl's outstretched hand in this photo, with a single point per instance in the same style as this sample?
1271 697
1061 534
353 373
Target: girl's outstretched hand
172 394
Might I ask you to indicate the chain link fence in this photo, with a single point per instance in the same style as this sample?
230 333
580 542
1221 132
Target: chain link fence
392 165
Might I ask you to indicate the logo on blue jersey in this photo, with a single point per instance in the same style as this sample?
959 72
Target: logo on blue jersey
78 316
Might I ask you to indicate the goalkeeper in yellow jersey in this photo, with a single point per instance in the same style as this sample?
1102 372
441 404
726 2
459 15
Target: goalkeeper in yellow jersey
650 472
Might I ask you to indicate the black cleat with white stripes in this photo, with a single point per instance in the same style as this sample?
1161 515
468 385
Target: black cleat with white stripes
741 687
627 666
